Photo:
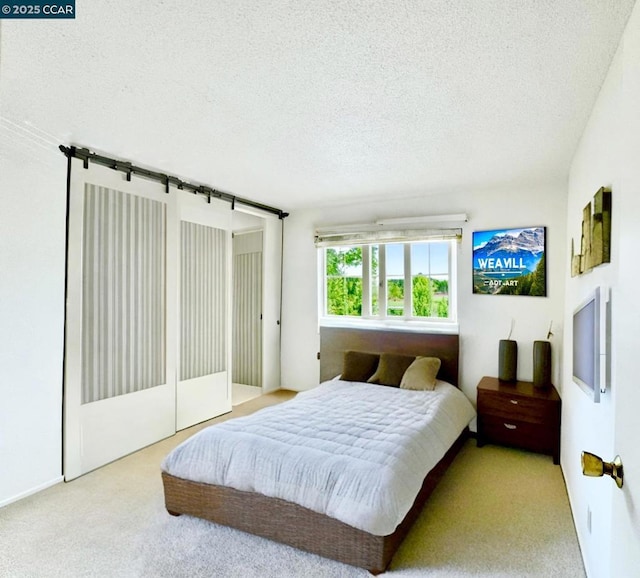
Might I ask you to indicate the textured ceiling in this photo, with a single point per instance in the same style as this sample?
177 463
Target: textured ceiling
304 103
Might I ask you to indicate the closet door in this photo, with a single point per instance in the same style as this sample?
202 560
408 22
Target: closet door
119 386
247 308
204 384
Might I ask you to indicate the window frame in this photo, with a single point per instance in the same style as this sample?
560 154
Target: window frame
367 318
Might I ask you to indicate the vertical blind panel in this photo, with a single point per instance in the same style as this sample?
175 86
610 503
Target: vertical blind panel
247 325
203 307
123 298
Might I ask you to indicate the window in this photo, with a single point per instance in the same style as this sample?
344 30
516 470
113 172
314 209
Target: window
343 281
390 281
430 279
394 260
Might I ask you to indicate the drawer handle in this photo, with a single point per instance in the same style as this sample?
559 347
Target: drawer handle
510 426
514 401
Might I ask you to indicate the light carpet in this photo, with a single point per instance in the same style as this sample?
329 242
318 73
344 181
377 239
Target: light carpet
497 512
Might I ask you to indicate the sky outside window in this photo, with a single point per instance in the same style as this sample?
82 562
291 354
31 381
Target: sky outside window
430 259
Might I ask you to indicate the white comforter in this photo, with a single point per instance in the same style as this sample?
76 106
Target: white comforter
355 452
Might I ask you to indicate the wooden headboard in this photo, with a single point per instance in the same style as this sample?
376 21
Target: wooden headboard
334 341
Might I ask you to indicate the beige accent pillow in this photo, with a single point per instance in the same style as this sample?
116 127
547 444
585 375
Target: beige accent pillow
391 369
421 374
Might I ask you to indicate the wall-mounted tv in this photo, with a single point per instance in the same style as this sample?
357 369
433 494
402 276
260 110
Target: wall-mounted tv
590 344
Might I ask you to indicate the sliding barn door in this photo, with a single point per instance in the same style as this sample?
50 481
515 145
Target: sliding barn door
204 375
147 337
120 341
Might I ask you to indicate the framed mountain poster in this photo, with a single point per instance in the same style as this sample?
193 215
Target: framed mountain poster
510 262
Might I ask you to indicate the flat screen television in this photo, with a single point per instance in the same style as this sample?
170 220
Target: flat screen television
590 344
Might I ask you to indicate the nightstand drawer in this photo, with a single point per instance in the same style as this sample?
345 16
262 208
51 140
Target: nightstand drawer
512 432
515 407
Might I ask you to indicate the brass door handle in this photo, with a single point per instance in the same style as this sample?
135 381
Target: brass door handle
595 466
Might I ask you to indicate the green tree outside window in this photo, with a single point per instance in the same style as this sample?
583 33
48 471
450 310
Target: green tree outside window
344 287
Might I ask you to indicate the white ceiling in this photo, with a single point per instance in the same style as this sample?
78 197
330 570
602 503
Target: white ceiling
313 102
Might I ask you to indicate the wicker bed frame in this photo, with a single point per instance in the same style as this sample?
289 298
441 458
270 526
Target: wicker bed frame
300 527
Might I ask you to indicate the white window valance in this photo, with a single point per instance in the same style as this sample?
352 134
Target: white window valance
372 234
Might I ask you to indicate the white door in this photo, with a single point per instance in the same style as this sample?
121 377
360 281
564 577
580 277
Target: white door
247 308
204 256
625 523
119 374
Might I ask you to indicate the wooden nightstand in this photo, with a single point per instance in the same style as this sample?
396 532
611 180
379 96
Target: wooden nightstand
519 414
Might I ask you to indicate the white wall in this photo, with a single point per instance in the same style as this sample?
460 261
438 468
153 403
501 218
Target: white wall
608 155
483 319
586 425
32 253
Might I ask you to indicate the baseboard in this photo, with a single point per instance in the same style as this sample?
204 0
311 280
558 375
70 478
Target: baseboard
32 491
580 533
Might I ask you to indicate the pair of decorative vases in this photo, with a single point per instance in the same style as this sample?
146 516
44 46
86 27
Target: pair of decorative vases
508 362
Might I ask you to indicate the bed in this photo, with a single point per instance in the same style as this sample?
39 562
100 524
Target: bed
272 499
